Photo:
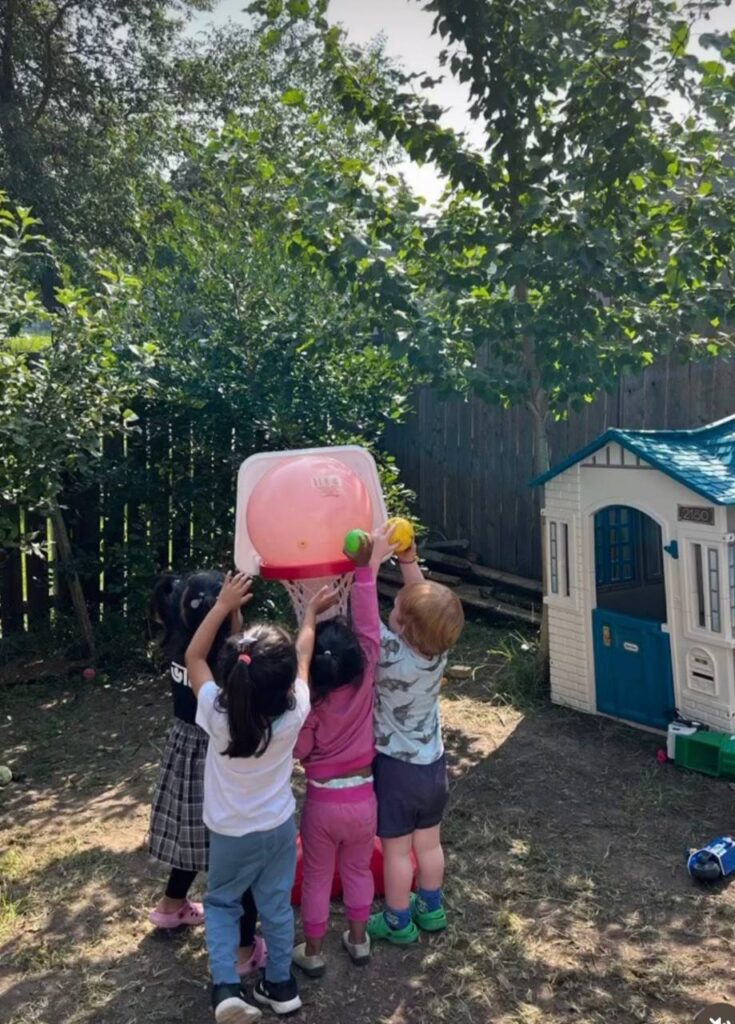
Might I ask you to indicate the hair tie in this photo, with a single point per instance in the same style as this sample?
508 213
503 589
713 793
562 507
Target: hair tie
245 658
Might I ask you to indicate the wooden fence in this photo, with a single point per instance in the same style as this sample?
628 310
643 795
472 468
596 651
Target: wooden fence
470 463
168 494
166 499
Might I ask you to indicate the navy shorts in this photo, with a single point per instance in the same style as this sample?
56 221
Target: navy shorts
410 796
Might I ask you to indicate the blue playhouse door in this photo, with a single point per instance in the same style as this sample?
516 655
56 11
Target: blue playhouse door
633 672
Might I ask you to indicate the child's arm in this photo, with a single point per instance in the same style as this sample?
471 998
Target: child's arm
235 593
319 603
410 568
364 595
408 560
305 742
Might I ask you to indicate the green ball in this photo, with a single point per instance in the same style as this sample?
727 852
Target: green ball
6 775
354 541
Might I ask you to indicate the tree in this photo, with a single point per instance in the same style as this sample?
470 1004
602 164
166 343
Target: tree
65 380
81 84
255 343
254 339
597 228
254 348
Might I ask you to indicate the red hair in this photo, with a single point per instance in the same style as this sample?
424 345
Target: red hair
431 617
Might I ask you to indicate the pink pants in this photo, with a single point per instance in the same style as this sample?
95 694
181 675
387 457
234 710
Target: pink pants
337 827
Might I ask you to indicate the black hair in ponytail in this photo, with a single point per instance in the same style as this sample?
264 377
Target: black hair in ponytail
338 659
257 672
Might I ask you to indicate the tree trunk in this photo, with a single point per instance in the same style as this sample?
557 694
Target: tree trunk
63 547
539 408
7 70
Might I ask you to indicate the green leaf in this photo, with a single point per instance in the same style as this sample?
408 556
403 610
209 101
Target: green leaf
638 182
679 38
25 344
293 98
705 188
351 165
272 38
266 169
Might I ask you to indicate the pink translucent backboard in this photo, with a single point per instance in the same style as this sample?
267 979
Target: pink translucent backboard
294 509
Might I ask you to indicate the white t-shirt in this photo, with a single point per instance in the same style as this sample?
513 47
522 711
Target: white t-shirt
249 794
407 719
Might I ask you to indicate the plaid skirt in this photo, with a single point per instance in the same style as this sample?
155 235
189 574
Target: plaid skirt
178 836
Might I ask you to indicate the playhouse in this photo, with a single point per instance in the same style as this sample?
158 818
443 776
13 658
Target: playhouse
640 576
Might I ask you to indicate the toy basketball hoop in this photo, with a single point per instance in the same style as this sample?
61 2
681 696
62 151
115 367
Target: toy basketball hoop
293 511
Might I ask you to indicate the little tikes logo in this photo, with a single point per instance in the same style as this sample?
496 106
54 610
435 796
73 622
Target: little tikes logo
327 486
717 1013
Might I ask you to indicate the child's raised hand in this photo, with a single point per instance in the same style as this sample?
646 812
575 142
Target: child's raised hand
323 600
235 591
382 546
409 555
361 557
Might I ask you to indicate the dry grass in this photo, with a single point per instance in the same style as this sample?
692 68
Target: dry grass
568 896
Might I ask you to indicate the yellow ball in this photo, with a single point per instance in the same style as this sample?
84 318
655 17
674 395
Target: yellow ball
402 534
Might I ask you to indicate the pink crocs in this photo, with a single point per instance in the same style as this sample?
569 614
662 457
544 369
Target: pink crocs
256 961
190 914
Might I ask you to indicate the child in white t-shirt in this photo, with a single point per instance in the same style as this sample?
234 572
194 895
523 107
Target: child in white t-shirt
252 718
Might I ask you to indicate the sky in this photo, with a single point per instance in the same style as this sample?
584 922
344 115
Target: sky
406 30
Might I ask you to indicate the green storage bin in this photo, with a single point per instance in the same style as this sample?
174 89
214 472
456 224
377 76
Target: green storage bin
701 752
727 758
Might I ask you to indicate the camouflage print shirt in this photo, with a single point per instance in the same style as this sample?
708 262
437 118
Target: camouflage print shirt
407 719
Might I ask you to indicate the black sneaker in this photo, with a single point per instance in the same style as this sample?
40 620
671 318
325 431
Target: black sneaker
281 996
230 1007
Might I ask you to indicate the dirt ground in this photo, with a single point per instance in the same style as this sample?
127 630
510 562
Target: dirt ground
566 885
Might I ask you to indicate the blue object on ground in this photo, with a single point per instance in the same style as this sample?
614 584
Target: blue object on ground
714 861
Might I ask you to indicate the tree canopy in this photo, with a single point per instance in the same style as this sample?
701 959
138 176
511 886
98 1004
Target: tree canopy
597 227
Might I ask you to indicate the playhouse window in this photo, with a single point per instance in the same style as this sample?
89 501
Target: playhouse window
616 542
554 556
559 574
713 567
699 583
707 588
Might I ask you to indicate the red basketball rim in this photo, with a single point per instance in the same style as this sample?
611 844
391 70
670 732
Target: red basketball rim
307 572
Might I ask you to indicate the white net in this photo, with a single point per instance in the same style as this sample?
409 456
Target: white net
301 592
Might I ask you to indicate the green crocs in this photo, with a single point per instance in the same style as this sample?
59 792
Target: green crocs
427 920
378 928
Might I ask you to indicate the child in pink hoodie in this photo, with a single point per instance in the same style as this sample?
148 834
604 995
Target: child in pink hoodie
336 748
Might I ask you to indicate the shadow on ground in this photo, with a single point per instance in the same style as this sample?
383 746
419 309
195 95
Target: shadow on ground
566 882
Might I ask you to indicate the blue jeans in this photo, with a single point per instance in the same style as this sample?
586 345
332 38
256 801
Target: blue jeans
265 862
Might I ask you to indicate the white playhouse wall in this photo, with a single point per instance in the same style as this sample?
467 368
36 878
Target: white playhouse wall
703 661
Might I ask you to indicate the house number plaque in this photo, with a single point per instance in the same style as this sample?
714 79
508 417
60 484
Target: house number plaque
696 514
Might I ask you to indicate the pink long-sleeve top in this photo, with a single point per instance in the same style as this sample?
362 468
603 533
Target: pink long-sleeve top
337 736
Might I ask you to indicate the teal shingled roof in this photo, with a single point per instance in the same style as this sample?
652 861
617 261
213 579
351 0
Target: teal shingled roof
703 460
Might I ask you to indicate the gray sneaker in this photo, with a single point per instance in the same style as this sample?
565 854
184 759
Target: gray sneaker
359 951
312 966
